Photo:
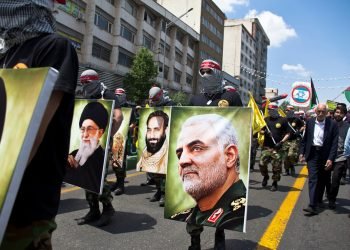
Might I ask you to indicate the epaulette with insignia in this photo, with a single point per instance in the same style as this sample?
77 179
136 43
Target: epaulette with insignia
238 203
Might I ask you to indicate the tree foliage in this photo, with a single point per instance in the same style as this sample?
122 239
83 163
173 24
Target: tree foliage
141 76
180 98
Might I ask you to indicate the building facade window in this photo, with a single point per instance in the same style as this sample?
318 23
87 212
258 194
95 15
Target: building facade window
127 32
166 72
177 76
178 56
148 41
101 52
189 62
125 58
130 7
149 18
111 1
103 20
189 79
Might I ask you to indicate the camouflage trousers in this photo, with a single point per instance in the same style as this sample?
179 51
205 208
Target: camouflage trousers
36 236
291 150
105 198
269 155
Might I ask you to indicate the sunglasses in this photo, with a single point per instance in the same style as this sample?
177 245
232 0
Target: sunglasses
208 71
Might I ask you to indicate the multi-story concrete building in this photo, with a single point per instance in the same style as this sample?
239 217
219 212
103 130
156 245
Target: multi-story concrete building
207 19
245 55
108 33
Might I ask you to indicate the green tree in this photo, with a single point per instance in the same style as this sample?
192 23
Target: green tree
180 98
141 76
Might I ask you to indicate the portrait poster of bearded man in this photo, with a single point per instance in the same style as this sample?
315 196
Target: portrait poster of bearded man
24 95
87 141
208 174
152 152
120 139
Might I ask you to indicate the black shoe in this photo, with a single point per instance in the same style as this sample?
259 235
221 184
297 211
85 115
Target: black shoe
162 200
292 171
119 191
195 243
342 181
91 216
274 186
286 173
331 205
219 240
148 183
310 210
264 182
113 186
156 196
106 216
320 204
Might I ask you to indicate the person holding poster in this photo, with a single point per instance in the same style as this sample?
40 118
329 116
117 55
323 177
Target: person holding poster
28 40
214 94
85 165
94 89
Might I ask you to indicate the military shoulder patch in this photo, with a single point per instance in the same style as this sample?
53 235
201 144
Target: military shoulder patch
215 215
237 204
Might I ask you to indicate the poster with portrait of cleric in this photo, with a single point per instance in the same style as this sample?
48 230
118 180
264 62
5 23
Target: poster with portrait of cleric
24 94
119 140
207 178
88 150
153 143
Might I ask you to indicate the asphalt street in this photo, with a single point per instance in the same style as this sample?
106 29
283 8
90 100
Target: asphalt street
139 224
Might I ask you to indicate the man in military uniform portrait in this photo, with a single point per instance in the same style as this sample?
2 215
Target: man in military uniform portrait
208 165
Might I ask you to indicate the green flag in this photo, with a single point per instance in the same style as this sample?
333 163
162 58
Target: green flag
314 99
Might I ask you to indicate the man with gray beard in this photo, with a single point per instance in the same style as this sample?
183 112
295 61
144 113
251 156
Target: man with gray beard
209 169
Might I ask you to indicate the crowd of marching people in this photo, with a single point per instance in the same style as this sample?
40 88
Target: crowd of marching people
320 138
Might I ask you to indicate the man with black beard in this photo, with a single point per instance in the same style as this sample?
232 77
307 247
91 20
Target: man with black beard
154 156
276 133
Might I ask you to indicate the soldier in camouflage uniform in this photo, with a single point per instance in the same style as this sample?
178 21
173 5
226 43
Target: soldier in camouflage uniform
291 147
276 134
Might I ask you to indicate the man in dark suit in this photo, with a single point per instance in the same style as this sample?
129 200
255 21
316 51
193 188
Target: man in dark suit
319 149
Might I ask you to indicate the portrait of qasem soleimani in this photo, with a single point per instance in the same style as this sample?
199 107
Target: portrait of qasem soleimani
208 167
153 140
87 160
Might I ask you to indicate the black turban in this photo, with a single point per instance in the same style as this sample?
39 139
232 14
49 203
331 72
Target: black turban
2 105
96 112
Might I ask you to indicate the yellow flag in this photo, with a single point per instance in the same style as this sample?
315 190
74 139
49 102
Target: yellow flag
281 112
266 113
258 119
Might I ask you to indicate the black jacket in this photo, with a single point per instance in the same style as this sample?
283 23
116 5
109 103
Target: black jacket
330 139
